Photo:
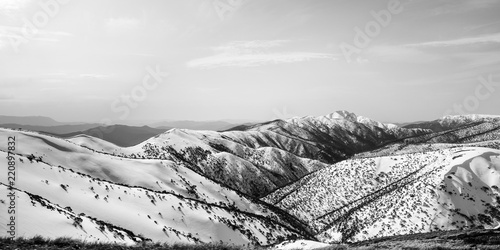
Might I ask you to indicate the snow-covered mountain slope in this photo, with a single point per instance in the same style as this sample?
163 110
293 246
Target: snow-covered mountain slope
267 156
359 199
64 189
255 171
484 132
96 144
349 116
337 135
453 122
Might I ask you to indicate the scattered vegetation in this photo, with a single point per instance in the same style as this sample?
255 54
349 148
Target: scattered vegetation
450 240
39 242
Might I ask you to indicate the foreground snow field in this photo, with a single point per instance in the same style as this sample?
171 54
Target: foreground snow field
68 190
360 199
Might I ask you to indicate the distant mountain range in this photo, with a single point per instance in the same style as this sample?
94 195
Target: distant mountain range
120 135
56 129
30 120
195 125
450 122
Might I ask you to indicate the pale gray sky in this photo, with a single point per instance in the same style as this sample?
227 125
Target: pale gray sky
77 60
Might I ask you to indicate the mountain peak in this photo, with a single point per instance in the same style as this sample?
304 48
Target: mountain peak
354 118
343 114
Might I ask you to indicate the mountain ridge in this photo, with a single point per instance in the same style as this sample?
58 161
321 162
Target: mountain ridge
293 148
334 178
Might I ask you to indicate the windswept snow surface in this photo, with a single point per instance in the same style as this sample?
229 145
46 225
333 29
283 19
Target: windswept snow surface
366 198
96 144
69 190
300 244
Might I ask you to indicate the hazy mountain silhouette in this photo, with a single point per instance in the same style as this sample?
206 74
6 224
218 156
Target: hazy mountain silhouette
120 135
59 129
195 125
450 122
29 120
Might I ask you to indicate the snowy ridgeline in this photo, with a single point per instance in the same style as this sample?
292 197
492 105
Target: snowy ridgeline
365 198
69 190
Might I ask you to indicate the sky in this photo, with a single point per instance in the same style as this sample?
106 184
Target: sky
151 60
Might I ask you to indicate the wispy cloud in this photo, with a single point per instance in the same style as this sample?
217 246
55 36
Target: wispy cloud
251 54
254 60
486 39
481 26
